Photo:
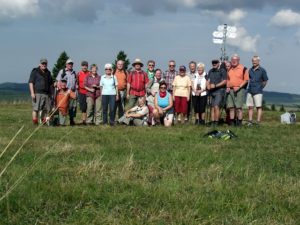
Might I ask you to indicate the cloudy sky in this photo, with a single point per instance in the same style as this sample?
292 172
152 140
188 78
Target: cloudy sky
96 30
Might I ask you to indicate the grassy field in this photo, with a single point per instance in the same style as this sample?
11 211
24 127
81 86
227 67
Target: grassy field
129 175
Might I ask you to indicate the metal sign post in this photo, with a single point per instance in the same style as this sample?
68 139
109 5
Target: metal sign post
220 37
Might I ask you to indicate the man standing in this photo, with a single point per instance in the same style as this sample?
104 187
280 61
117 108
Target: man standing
192 75
69 75
136 83
150 70
82 91
237 79
40 83
216 82
121 76
170 75
258 79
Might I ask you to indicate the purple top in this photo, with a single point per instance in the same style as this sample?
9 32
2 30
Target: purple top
89 82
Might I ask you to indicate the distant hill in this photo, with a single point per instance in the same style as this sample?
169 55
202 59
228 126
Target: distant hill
20 91
14 92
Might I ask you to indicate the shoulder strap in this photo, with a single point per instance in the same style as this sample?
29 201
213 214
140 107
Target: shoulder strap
63 73
244 71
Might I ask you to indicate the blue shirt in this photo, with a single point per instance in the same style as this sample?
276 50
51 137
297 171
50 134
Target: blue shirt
256 79
108 85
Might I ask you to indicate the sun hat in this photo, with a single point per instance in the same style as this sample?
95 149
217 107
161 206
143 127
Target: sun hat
137 61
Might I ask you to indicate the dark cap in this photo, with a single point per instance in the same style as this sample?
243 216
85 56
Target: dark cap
215 61
182 68
84 63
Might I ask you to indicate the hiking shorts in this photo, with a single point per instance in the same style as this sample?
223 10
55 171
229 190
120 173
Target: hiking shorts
42 103
82 102
217 98
254 100
235 99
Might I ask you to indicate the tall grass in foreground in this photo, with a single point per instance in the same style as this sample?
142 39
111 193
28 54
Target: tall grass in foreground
128 175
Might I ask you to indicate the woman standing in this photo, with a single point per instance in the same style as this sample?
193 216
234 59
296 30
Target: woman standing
163 104
199 94
181 91
93 96
109 90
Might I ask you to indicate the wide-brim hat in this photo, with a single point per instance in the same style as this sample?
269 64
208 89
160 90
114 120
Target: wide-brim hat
137 61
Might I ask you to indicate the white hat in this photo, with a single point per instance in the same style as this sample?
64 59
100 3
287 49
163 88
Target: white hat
108 66
137 61
69 61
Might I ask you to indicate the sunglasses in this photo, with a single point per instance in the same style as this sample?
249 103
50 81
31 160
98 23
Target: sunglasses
107 69
172 65
163 88
151 65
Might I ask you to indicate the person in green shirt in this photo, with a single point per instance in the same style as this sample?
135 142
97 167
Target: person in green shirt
150 70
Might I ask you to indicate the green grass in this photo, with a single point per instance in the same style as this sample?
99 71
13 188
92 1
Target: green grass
130 175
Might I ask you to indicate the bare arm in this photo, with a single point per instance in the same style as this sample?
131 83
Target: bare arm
31 88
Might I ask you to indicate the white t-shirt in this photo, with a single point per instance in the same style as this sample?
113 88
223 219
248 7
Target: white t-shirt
200 81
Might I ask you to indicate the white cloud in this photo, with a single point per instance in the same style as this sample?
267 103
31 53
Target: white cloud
244 41
14 9
286 18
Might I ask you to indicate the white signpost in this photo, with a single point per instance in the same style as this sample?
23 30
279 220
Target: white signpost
221 34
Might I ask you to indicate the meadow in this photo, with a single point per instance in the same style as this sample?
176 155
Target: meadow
130 175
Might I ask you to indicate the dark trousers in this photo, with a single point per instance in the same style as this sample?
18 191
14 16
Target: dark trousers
108 101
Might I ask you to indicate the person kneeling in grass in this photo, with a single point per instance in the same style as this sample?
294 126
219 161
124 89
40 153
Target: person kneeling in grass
138 115
62 101
163 104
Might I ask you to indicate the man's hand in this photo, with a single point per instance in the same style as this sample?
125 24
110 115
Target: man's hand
128 96
33 97
228 90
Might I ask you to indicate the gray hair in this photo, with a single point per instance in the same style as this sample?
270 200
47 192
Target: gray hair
256 57
235 56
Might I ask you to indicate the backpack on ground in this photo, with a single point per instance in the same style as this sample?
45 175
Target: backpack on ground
288 118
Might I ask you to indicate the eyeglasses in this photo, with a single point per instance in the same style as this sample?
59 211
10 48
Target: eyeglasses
172 65
107 69
151 65
163 88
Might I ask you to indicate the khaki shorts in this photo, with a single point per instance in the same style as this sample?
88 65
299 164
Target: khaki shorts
42 103
235 99
254 100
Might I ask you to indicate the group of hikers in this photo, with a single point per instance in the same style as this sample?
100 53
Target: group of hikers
151 96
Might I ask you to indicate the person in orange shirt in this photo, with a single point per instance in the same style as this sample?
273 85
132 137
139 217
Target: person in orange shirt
237 80
121 76
62 101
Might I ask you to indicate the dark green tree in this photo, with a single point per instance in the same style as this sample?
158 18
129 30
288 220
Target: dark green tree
60 64
273 107
122 56
282 109
264 106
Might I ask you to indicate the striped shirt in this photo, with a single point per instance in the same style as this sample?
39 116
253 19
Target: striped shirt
169 77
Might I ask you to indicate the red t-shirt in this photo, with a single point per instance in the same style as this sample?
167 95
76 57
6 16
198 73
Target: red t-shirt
81 77
137 81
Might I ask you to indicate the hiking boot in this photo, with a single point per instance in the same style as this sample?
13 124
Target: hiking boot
72 123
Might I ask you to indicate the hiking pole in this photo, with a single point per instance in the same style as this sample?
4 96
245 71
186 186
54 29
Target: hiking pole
208 108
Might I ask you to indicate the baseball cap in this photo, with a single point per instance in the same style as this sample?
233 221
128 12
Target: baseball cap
43 60
108 66
215 61
182 68
69 61
84 63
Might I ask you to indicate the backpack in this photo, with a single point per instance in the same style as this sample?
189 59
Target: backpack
64 73
288 118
